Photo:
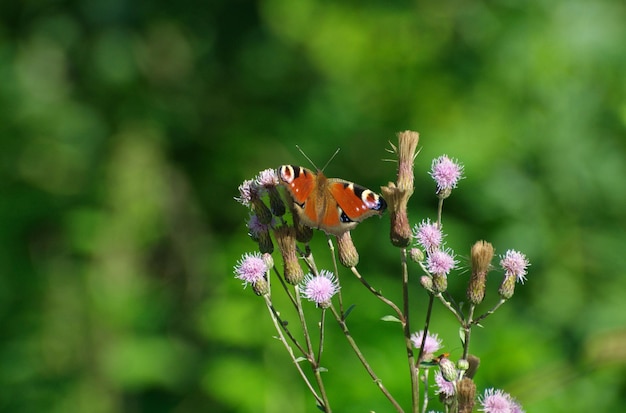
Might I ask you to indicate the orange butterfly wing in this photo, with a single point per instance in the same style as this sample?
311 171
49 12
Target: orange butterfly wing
332 205
356 202
301 184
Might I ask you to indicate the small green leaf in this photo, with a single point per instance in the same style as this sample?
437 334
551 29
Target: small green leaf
462 335
348 311
390 318
299 359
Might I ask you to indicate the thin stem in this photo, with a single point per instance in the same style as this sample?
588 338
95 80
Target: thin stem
488 313
449 307
429 313
425 380
309 353
285 287
283 325
406 327
467 331
378 294
359 354
331 246
439 212
322 329
278 326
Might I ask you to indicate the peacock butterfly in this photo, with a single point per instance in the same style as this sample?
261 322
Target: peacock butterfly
330 204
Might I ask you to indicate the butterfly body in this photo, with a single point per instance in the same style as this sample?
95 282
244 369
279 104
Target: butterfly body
330 204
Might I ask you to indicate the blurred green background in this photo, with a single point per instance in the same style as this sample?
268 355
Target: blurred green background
127 126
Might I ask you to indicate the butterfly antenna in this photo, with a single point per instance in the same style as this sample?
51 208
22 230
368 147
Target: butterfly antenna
308 159
331 158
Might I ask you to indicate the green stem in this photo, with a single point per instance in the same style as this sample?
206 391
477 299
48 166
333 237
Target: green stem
359 354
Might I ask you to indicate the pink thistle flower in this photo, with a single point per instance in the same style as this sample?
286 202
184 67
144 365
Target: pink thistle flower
248 191
431 345
446 172
320 288
251 268
257 228
267 178
496 401
428 235
514 264
444 386
441 262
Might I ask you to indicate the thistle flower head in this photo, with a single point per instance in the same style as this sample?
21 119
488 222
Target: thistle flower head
444 386
431 345
428 235
248 192
320 288
267 178
497 401
446 172
514 263
251 268
256 227
441 262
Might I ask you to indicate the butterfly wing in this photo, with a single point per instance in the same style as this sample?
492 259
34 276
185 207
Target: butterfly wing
355 202
301 184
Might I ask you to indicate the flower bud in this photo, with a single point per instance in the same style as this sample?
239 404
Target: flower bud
398 196
261 287
269 260
440 282
286 239
507 288
481 254
262 211
277 206
474 362
448 369
466 391
407 145
462 364
266 246
304 234
348 255
427 283
400 231
416 255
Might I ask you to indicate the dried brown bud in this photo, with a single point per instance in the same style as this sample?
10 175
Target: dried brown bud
286 239
348 255
482 254
407 144
397 200
398 196
466 390
474 362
